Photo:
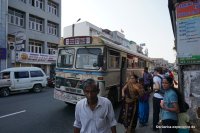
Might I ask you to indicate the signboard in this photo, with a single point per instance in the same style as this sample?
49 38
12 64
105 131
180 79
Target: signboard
188 32
20 40
2 53
36 58
78 40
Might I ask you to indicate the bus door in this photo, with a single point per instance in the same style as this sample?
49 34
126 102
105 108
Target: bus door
123 72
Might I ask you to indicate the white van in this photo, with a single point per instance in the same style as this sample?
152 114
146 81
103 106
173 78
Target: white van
23 78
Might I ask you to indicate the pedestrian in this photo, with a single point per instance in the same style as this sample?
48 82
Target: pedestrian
170 107
94 114
184 120
157 96
147 79
129 111
143 105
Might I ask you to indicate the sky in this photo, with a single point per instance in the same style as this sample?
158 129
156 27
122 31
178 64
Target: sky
143 21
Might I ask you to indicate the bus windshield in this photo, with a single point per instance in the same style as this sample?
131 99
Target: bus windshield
87 58
66 58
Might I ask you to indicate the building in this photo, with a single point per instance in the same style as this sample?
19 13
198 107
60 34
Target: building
33 33
160 62
3 34
88 29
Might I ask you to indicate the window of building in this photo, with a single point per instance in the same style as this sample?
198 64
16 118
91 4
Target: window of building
114 59
52 28
16 17
52 48
53 8
37 3
35 46
24 1
35 23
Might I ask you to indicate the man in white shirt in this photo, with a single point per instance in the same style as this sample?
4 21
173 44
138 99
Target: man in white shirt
94 114
157 97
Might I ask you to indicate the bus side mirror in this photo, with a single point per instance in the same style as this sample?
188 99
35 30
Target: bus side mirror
100 60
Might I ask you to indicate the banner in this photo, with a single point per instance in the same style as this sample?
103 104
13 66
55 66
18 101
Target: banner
188 32
36 58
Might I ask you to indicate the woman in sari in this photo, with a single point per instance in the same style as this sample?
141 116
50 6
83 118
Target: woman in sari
143 104
129 111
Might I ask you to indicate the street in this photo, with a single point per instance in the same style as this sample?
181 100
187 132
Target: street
35 113
41 113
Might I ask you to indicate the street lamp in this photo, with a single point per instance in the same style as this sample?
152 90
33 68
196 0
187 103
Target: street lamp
73 25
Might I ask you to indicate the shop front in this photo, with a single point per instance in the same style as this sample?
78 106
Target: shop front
44 61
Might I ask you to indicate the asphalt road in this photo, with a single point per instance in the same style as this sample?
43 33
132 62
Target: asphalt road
35 113
41 113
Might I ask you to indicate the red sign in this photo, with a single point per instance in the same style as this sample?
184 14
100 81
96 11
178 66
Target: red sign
187 9
78 40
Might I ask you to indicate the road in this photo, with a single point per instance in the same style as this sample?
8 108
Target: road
40 113
35 113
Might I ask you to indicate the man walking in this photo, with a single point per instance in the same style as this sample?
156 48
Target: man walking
94 114
147 79
158 96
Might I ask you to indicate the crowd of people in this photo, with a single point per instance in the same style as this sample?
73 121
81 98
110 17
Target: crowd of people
95 114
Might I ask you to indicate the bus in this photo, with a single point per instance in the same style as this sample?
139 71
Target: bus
109 63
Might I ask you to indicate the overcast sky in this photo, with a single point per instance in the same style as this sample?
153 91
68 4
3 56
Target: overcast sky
143 21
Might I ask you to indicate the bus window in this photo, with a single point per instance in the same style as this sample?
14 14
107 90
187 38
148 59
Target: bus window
66 58
87 58
113 59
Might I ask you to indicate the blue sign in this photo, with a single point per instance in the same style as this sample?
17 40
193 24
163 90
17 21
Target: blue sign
2 53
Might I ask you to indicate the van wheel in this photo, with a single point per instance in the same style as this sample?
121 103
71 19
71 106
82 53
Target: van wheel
4 92
37 88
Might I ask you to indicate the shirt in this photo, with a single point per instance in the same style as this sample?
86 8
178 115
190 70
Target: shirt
183 118
156 79
170 97
146 77
100 120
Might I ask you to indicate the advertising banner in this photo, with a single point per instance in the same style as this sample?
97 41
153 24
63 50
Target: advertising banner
36 58
188 32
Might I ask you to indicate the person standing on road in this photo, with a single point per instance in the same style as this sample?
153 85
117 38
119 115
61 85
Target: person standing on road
147 79
94 114
157 96
170 107
129 111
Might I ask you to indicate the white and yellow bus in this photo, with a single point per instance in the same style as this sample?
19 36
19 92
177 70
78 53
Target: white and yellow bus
84 57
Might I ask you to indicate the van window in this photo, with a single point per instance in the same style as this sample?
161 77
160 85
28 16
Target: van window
22 74
36 74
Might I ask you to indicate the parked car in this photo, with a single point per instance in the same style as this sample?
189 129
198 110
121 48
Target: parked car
23 78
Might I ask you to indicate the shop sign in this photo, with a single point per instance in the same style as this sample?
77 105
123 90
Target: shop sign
189 60
188 32
2 53
36 58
